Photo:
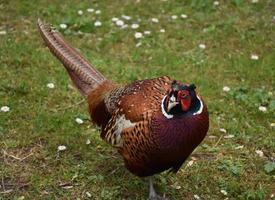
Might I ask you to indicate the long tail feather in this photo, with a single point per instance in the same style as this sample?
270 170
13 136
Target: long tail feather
83 74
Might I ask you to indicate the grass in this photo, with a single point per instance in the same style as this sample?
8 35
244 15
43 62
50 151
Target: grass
40 119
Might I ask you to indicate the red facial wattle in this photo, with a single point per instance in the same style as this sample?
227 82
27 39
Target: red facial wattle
185 99
185 104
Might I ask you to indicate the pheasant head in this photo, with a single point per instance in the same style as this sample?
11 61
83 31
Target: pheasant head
182 99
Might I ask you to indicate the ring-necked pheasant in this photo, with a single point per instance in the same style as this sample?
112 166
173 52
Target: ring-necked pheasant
155 123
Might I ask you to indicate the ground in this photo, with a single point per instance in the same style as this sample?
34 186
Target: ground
225 47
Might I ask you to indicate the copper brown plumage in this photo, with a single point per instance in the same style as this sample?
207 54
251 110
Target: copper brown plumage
155 123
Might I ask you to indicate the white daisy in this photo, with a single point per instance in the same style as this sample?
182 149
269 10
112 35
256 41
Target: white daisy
224 192
3 32
114 19
61 148
202 46
90 10
134 26
88 141
147 32
88 194
162 30
79 121
50 85
254 1
126 17
260 153
226 89
155 20
119 22
197 197
5 109
138 35
80 12
97 12
183 16
174 17
254 57
262 108
97 23
124 26
216 3
63 26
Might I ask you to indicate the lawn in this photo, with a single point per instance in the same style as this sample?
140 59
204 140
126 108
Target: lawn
227 48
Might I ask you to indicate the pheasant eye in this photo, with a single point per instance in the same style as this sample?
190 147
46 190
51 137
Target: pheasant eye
184 95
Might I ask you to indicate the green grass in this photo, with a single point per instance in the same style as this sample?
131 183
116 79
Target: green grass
41 119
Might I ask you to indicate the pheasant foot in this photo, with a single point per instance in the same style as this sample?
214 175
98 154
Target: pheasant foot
152 193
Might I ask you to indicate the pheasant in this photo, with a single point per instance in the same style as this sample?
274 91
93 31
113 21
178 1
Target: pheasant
155 124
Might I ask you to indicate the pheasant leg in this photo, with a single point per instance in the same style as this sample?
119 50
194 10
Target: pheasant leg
152 193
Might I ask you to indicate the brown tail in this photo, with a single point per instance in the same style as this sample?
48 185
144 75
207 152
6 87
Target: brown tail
83 74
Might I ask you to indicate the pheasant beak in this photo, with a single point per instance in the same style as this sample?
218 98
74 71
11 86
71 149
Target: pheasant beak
171 103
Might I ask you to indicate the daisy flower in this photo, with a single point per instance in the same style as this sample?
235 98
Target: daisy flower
226 89
50 85
61 148
254 57
138 35
5 109
262 108
97 23
202 46
79 121
63 26
80 12
134 26
155 20
119 22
